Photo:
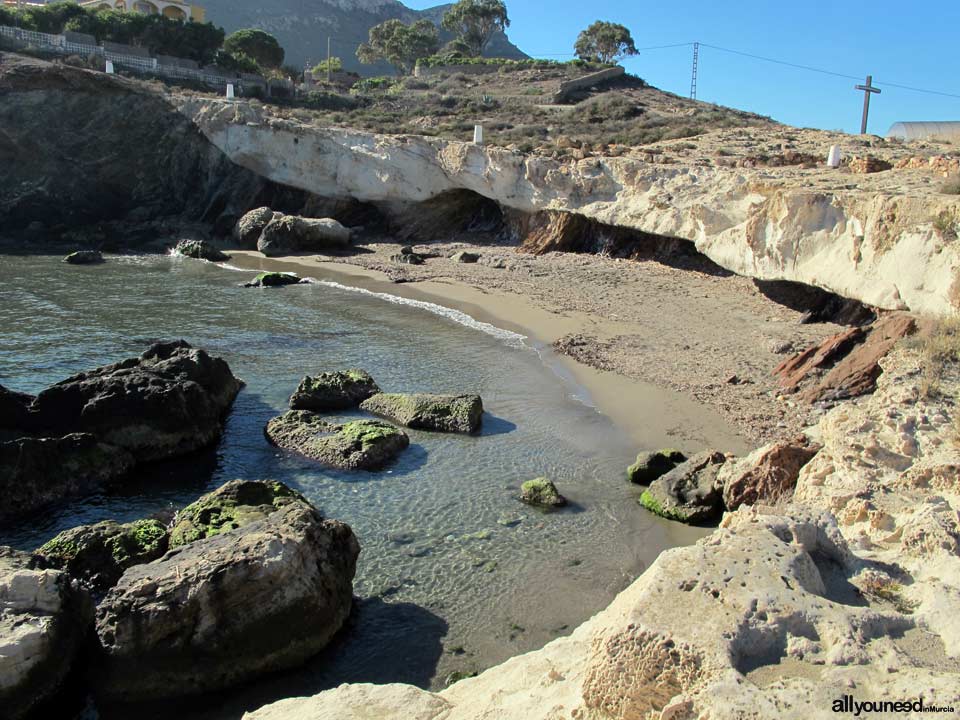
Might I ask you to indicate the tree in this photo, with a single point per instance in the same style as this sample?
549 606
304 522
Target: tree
257 44
400 45
475 21
604 42
334 64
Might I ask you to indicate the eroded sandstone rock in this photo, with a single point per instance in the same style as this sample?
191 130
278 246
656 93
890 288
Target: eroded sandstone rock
248 228
424 411
767 475
291 233
338 390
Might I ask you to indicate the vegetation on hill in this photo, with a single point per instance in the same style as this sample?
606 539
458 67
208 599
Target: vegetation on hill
261 47
604 42
399 44
474 22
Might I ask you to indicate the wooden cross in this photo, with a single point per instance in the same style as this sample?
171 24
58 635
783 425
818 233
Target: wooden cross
867 90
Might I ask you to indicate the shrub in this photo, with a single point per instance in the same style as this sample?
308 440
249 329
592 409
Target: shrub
951 186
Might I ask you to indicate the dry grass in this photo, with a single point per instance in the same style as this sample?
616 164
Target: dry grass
951 186
940 350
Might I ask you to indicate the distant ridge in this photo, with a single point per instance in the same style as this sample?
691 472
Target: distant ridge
302 27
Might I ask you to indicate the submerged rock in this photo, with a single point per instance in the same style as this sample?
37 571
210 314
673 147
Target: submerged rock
338 390
84 257
542 493
356 445
44 620
274 279
768 474
423 411
690 492
290 233
248 228
98 554
200 250
225 608
651 465
38 471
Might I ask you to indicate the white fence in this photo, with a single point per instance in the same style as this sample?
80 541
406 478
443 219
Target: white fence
136 63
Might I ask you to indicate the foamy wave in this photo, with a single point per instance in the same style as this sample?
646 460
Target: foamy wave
511 338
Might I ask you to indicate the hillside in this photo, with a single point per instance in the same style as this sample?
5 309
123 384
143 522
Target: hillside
302 27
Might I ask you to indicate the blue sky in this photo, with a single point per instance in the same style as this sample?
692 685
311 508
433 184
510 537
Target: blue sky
913 44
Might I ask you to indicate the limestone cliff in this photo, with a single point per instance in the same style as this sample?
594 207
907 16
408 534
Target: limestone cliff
882 247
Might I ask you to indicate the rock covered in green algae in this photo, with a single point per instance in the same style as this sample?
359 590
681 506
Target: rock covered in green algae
98 554
200 250
356 445
229 507
690 492
542 493
338 390
274 279
651 465
84 257
422 411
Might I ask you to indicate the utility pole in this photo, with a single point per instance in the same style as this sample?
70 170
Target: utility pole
693 76
868 89
328 59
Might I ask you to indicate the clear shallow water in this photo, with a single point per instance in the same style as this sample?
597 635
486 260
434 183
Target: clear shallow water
444 584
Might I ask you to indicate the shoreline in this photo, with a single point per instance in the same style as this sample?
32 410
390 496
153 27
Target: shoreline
613 395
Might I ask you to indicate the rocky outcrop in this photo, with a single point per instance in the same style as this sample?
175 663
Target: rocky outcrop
878 247
286 234
355 445
768 475
260 592
423 411
541 492
250 226
274 279
338 390
651 465
44 621
690 492
200 250
84 257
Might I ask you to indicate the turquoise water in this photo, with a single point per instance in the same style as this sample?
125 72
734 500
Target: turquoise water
455 573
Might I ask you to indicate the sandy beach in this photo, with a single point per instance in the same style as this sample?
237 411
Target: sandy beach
631 334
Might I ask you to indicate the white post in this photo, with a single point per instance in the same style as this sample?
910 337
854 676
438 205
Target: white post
230 95
478 134
833 158
109 67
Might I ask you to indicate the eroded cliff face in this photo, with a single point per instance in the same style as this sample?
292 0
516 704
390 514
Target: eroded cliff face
882 248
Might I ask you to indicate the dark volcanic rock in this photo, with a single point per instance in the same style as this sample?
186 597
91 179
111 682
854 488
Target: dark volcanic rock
338 390
84 257
44 621
274 279
356 445
690 492
200 250
651 465
290 233
229 607
422 411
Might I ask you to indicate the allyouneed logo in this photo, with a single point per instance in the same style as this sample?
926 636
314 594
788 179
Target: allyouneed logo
847 704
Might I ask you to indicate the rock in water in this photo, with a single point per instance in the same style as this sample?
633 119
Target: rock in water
168 402
542 493
357 445
768 474
35 472
84 257
651 465
446 413
200 250
248 228
690 492
98 554
291 233
44 620
274 279
241 602
333 391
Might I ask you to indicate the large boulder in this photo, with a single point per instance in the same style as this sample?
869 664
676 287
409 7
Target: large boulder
422 411
651 465
338 390
200 250
541 492
14 410
167 402
291 233
253 599
690 492
44 619
356 445
98 554
248 228
767 475
38 471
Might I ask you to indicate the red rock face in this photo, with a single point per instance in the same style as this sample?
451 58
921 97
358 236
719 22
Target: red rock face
848 361
771 477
